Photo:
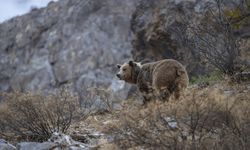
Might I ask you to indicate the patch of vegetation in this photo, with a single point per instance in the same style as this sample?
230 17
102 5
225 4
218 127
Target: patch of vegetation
202 119
207 79
214 37
34 117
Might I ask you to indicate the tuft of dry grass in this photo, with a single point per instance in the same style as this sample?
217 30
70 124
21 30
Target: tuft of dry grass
34 117
202 119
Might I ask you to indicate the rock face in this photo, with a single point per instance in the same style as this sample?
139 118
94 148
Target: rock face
159 28
76 42
79 42
161 31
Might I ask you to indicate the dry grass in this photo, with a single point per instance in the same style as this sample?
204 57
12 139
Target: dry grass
34 117
202 119
215 117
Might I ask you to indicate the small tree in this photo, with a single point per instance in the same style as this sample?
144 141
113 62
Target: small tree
214 37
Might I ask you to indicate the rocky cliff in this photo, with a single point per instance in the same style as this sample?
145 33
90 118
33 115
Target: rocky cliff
162 30
75 42
79 42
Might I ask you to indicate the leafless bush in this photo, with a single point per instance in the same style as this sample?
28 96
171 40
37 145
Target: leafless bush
214 36
35 117
100 99
202 120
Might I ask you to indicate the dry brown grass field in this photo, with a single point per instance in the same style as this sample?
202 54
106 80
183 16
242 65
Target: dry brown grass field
212 117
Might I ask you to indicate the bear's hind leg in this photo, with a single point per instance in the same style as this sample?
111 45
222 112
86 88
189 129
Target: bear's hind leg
177 94
147 97
145 100
178 91
163 94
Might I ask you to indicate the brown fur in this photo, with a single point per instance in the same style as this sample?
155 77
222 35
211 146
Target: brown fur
161 78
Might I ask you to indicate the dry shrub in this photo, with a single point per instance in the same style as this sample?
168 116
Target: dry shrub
102 94
34 117
215 39
202 119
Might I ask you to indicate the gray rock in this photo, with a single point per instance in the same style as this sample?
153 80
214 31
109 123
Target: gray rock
157 25
48 146
2 141
36 146
77 42
57 141
171 122
161 30
67 142
4 145
36 75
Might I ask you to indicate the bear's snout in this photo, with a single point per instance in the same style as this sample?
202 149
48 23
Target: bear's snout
118 75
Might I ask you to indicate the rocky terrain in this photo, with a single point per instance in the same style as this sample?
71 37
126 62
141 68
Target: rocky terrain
76 42
133 125
79 42
161 30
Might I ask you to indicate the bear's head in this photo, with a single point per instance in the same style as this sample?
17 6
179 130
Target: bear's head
129 71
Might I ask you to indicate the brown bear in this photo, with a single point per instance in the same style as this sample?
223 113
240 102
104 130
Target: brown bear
156 80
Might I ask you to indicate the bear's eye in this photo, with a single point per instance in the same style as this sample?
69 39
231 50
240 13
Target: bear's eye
124 69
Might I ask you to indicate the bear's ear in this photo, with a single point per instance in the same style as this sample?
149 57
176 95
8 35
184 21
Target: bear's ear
118 66
131 63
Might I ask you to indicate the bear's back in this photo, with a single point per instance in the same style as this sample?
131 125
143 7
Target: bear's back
169 66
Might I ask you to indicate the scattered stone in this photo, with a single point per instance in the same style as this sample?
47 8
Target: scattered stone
4 145
67 141
171 122
36 146
228 92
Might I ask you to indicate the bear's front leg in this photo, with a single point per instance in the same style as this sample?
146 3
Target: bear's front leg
147 95
164 95
146 99
146 90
